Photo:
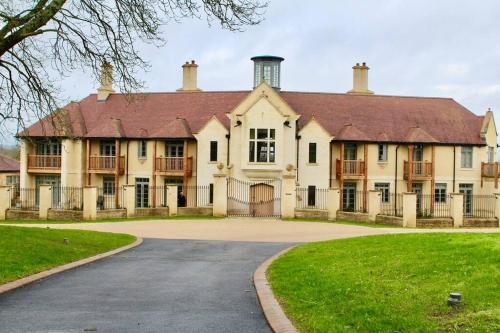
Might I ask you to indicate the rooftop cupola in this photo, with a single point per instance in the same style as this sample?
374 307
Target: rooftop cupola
267 68
360 80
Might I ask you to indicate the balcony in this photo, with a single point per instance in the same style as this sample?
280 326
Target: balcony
351 169
44 163
173 166
419 170
106 164
490 170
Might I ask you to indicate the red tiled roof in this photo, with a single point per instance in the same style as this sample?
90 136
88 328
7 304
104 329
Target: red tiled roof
347 117
8 164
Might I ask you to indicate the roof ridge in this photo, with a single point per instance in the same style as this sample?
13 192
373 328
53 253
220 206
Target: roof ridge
374 95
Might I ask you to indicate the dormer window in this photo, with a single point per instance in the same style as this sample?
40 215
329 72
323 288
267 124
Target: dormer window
262 145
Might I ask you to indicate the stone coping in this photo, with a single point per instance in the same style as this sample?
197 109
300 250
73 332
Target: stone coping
42 275
273 312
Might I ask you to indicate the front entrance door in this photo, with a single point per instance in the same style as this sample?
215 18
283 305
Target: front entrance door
466 189
349 197
142 192
262 200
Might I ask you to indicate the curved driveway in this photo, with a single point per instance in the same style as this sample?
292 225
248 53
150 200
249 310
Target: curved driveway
188 276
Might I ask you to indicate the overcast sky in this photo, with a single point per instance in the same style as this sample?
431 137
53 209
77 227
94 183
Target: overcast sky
445 48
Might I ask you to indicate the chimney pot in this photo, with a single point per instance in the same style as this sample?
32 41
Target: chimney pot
193 62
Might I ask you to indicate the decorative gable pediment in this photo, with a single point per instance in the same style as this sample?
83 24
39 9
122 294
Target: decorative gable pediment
262 93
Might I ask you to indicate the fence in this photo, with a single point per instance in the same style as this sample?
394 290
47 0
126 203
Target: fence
67 198
431 206
354 201
479 206
195 196
391 204
24 198
312 198
109 198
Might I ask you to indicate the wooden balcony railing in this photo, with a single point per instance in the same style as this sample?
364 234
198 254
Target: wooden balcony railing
419 169
350 168
174 165
490 170
106 164
44 162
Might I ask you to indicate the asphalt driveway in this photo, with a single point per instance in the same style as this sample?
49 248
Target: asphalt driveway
160 286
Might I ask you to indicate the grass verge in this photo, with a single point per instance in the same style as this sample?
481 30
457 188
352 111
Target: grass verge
392 283
131 219
26 251
363 224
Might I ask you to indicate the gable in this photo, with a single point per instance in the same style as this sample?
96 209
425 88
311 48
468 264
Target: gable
255 100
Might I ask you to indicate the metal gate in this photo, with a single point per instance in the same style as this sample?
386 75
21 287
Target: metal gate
255 198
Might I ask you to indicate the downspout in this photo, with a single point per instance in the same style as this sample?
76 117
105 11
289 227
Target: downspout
126 168
297 138
454 166
228 150
396 181
331 166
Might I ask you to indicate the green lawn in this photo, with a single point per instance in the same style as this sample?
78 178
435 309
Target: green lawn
131 219
25 251
392 283
363 224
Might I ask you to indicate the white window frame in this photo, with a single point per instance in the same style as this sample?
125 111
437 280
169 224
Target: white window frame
108 185
142 149
385 188
466 157
440 192
270 145
382 152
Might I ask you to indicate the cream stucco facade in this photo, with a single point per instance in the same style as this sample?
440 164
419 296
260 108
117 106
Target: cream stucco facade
263 141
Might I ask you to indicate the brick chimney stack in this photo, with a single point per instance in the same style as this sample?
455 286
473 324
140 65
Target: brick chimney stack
360 80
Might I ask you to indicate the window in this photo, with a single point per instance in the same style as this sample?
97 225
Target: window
142 149
312 152
384 188
48 148
350 151
213 151
491 155
440 193
311 195
174 149
11 180
211 194
382 153
108 185
107 148
418 153
262 145
466 157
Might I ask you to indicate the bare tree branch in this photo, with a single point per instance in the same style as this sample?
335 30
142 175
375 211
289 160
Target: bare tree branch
42 37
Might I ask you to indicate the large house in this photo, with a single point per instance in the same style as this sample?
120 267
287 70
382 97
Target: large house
356 141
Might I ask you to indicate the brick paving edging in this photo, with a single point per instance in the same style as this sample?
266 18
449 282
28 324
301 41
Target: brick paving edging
42 275
273 312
